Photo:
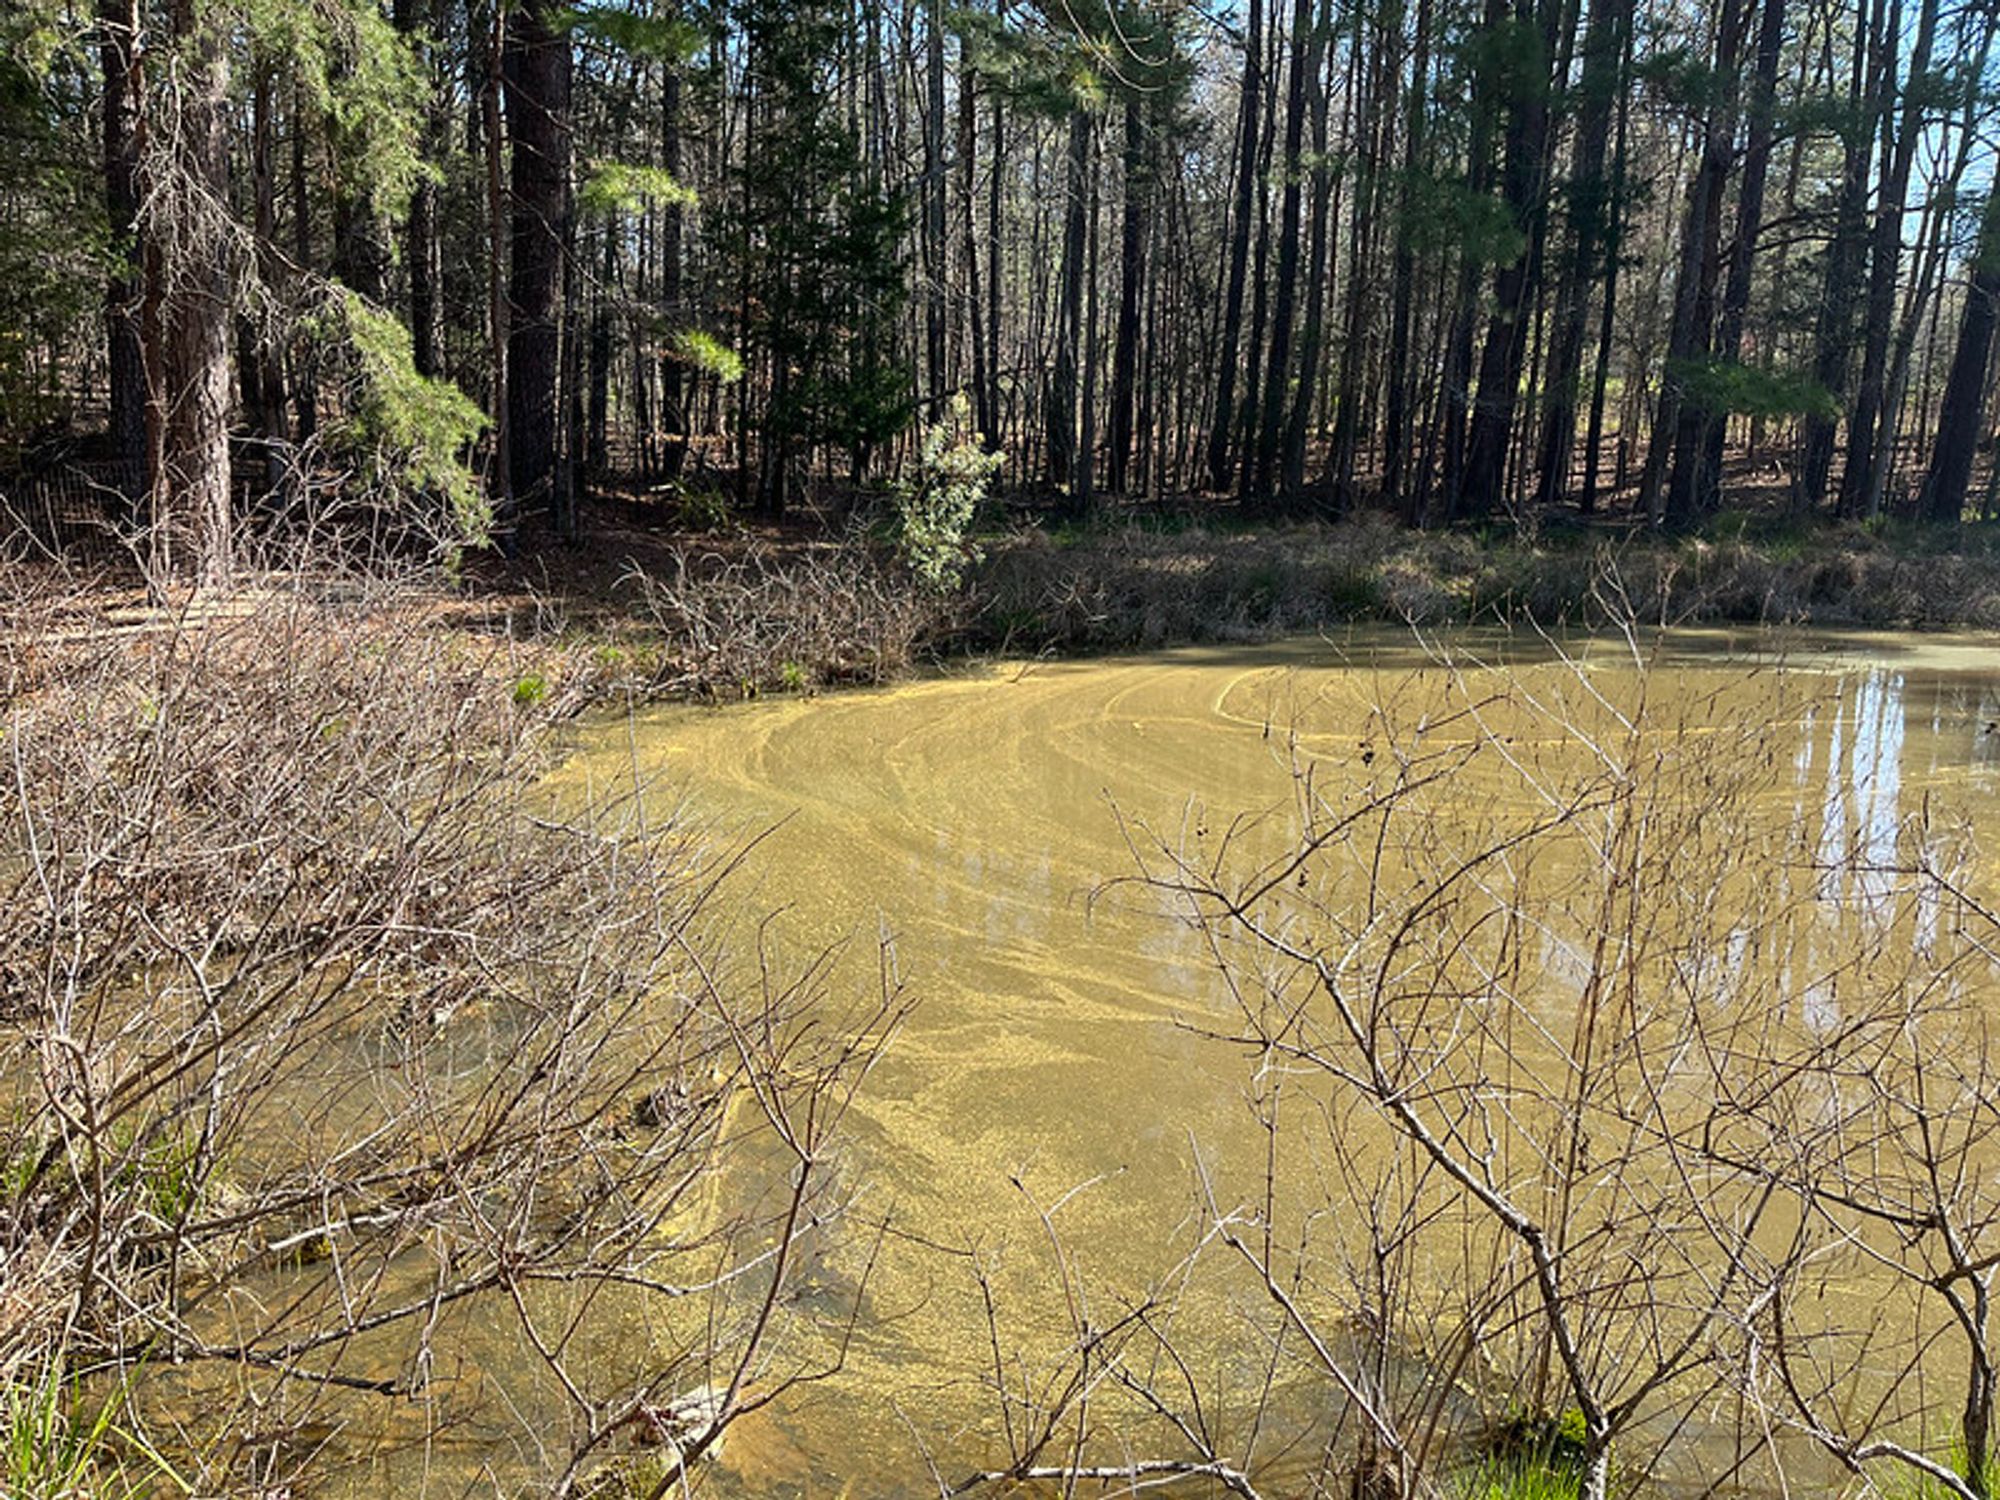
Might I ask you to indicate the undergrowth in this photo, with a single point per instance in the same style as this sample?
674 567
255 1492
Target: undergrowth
305 973
1133 587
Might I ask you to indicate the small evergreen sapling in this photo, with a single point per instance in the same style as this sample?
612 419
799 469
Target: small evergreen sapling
936 504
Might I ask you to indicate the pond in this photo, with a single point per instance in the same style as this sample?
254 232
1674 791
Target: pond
1056 1109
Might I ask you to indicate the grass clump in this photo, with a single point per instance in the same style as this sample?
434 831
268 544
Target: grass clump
1529 1456
62 1441
1519 1479
1910 1483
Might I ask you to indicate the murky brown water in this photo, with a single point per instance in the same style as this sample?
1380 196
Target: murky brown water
976 819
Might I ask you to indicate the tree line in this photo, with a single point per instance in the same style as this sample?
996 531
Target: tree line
1454 259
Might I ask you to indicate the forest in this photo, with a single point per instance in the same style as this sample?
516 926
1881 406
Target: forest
1449 262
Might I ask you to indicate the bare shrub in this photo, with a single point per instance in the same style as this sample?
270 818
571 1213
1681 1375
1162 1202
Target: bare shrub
326 1036
737 624
1612 1100
1873 1104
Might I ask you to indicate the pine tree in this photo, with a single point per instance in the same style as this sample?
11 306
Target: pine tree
816 246
536 65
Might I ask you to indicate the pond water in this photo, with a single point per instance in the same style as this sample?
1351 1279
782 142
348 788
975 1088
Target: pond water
1054 1076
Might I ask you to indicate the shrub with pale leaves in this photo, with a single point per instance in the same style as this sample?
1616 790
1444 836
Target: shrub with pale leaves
937 503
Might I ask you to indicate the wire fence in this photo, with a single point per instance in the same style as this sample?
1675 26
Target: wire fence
80 509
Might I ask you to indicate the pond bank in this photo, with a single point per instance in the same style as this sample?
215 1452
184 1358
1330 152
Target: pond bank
1137 586
642 615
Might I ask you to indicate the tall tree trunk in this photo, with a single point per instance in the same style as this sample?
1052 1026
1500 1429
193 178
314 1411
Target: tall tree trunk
1062 402
673 379
500 481
1396 426
1456 398
1247 141
1600 375
1965 388
1884 262
118 37
1085 489
570 380
1134 231
422 249
268 413
1278 370
983 414
597 443
1930 268
1319 255
536 62
1260 298
1834 333
1707 482
1516 283
936 312
996 266
1676 429
305 387
1590 208
187 302
1600 378
1368 118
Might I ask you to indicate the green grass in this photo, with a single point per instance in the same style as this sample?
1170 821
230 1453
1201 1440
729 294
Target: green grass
163 1169
19 1154
1528 1456
1518 1479
56 1444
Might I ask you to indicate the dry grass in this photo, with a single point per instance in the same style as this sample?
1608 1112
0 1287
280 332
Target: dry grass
1127 588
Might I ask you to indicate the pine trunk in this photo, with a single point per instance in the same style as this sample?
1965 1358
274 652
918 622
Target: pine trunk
1515 284
1133 234
1965 389
187 304
1062 400
1590 209
1247 139
118 34
1833 336
1857 493
1396 427
1278 369
536 63
1743 255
